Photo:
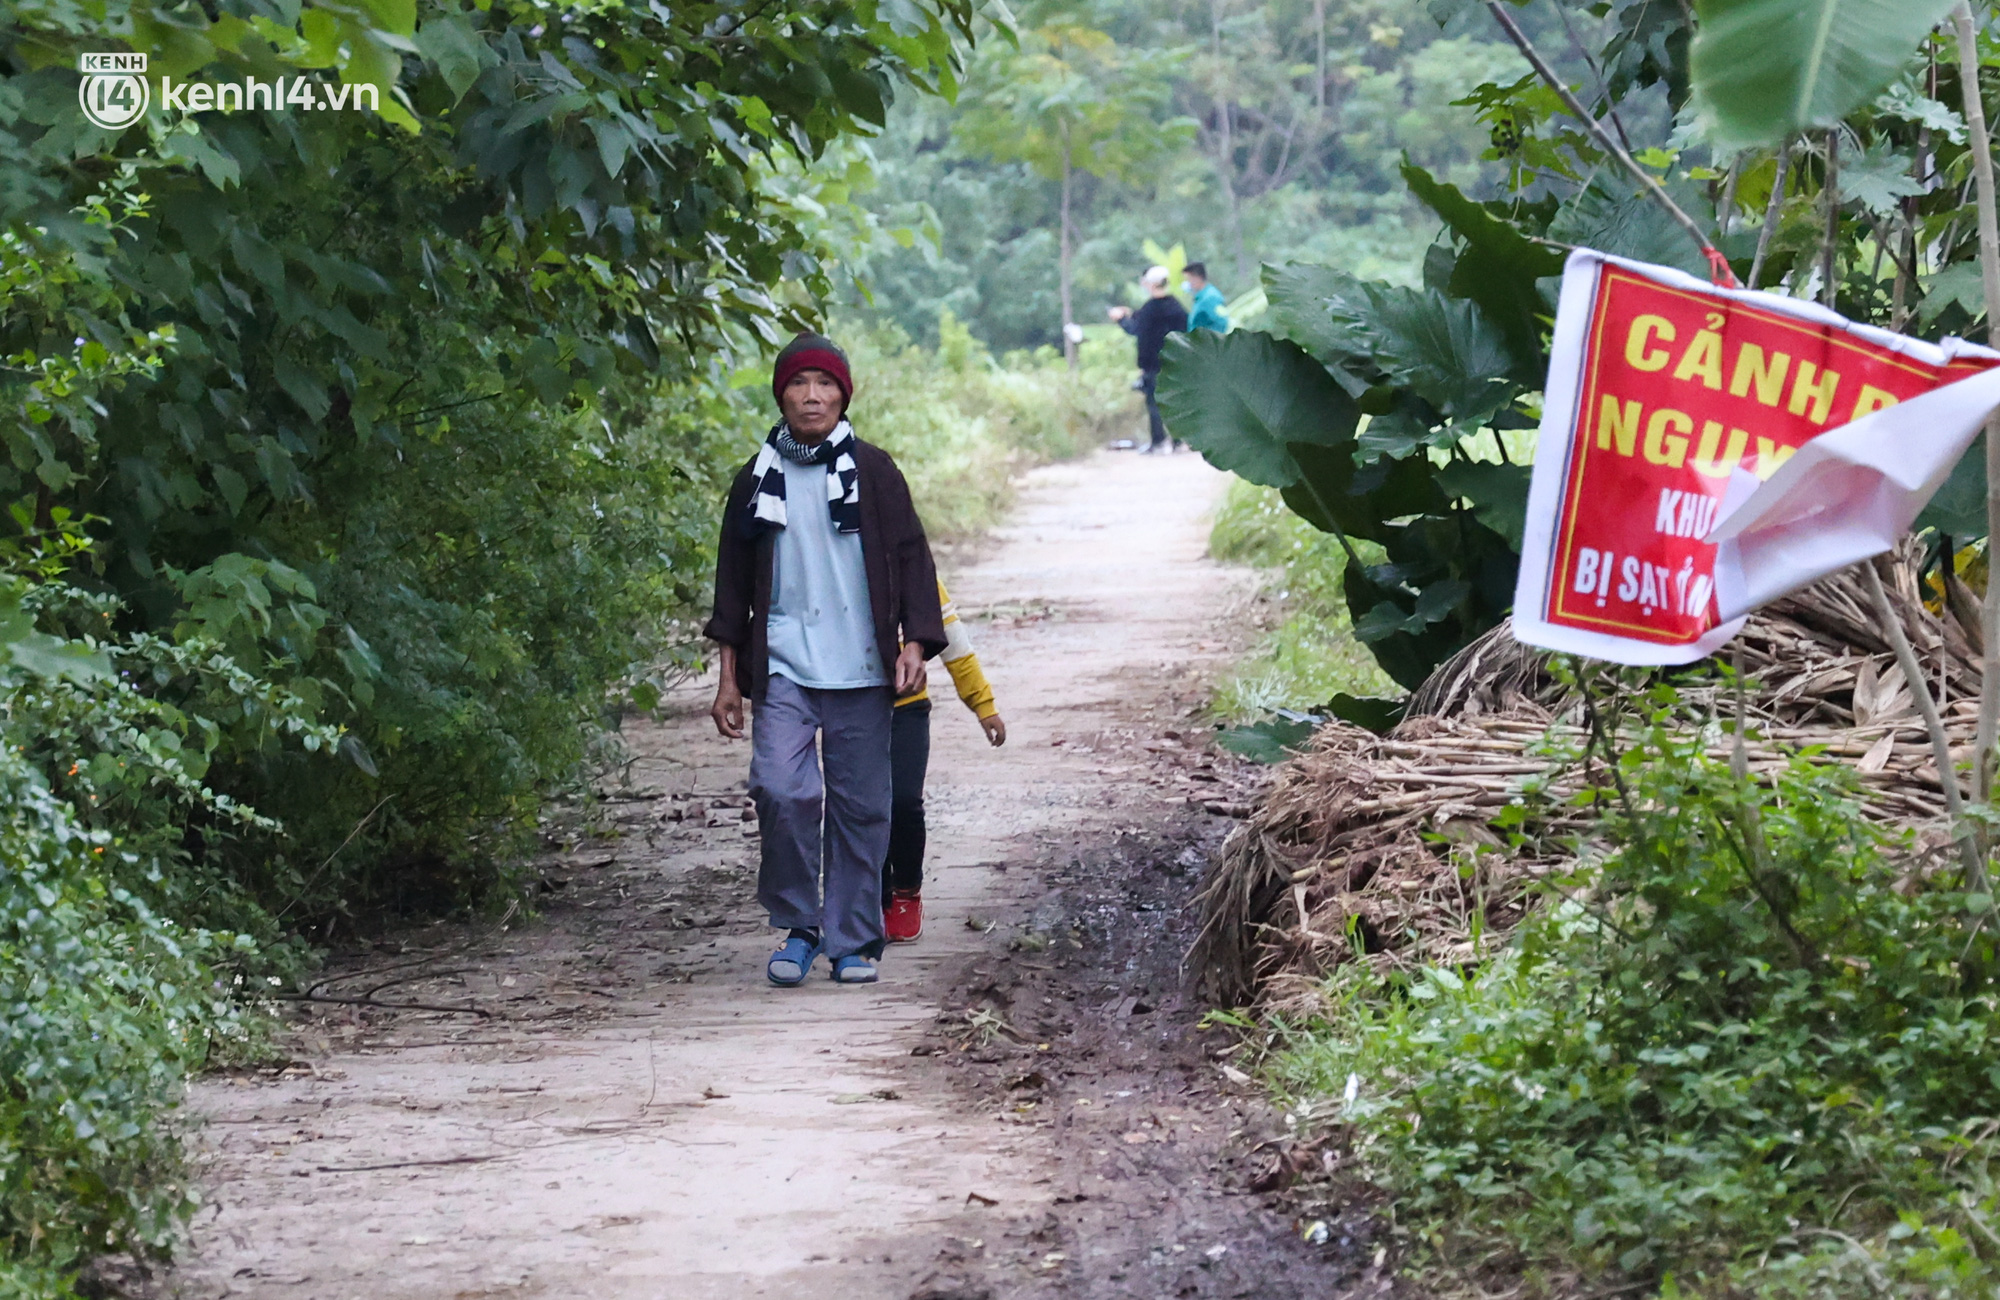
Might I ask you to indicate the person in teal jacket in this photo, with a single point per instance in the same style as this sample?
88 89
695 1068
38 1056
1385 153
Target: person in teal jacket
1207 313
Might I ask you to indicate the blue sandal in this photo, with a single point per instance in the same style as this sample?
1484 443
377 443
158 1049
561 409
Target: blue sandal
854 969
793 961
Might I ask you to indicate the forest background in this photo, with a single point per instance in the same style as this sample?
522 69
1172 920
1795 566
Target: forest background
1242 132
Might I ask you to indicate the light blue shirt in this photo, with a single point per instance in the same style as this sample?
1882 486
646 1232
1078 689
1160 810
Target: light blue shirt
821 630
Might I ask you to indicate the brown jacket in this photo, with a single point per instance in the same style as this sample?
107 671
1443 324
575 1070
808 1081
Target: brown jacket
902 578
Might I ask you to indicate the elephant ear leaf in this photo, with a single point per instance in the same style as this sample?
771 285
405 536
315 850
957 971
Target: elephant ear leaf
1377 715
1335 495
1240 398
1498 493
1271 741
1498 269
1444 349
1322 310
1763 69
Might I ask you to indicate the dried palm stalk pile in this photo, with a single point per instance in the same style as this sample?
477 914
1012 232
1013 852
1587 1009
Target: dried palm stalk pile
1380 847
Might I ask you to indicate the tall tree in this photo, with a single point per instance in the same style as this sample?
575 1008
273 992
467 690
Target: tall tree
1070 99
1260 122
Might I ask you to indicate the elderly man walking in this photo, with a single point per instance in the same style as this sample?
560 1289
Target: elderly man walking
826 606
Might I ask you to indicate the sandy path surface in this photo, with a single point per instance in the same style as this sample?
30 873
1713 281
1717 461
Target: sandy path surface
636 1113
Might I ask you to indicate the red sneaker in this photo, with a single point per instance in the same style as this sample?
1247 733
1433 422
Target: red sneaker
903 919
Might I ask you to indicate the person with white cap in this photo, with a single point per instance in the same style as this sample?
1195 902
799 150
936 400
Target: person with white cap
1162 315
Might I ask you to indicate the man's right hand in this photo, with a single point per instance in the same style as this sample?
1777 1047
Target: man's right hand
728 710
1119 313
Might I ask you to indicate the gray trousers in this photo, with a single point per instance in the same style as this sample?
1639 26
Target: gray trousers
838 825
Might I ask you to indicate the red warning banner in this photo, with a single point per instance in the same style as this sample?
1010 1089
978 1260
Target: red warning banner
1661 387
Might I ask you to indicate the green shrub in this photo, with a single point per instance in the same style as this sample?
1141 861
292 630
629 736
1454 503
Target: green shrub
482 627
105 1007
1311 654
108 833
1750 1051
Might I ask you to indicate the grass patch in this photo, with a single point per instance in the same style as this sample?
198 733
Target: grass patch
1308 653
1749 1049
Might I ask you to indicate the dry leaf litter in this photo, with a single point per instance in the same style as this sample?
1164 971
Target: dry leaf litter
1380 848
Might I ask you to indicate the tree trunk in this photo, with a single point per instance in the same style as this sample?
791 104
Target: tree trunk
1235 217
1063 245
1771 211
1225 145
1319 34
1989 268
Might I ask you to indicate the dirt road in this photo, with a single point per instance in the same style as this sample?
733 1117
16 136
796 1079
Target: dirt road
610 1101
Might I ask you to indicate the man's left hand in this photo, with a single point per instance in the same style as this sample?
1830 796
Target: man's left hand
909 670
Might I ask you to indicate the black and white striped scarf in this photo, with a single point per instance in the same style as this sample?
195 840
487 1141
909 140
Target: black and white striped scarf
843 480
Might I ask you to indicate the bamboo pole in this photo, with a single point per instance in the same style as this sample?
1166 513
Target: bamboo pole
1725 208
1829 282
1771 210
1920 691
1989 268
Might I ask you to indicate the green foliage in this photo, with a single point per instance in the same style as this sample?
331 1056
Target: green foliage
106 827
1067 98
106 1009
1608 214
1901 257
1749 1049
1310 656
497 590
1765 68
433 401
1299 174
1498 268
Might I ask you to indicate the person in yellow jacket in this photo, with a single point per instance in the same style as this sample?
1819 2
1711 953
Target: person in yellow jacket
909 760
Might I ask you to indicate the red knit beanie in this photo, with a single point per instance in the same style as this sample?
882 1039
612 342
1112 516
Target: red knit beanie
811 352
